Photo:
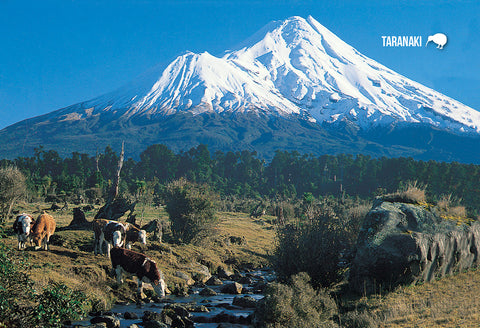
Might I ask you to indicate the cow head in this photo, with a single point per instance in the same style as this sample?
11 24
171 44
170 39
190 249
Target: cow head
155 276
142 237
26 224
159 287
36 239
117 239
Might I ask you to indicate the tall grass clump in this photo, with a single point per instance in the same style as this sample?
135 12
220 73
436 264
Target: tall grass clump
412 192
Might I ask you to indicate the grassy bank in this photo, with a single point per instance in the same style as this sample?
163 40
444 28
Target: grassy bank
71 260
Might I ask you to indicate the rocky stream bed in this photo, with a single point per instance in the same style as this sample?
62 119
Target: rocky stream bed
223 301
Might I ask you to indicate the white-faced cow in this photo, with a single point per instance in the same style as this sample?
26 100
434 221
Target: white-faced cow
125 261
134 234
42 230
111 232
22 227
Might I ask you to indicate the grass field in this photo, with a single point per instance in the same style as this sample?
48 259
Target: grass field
448 302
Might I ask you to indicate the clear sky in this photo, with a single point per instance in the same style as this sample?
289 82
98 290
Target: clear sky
57 53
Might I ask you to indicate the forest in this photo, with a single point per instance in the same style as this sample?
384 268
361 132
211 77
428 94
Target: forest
243 175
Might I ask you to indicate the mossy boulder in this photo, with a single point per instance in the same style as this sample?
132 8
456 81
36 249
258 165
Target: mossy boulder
403 243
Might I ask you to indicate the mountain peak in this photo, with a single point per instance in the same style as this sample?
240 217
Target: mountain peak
291 67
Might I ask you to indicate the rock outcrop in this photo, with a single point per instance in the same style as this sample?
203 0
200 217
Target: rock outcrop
406 243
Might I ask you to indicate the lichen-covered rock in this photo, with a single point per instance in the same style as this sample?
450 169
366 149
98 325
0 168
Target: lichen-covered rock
406 243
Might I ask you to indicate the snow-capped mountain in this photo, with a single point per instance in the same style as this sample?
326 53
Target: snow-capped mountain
283 88
296 66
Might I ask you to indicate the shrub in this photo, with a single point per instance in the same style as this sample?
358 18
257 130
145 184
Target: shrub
191 209
295 305
356 319
58 303
315 247
16 288
12 187
21 306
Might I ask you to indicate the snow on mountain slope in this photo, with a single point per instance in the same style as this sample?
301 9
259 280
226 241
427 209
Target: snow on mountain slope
290 67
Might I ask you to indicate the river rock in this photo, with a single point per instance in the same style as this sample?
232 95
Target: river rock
179 310
182 275
110 321
133 326
207 292
403 243
201 273
244 302
154 324
213 281
130 316
223 273
232 288
151 316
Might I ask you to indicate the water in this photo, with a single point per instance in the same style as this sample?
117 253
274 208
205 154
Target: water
220 303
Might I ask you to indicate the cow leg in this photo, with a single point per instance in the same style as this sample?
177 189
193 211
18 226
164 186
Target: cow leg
140 286
119 273
19 242
108 249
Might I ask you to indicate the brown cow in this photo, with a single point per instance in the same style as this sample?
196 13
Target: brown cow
125 261
134 234
42 230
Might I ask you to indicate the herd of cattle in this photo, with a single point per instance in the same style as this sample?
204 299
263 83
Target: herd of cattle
107 234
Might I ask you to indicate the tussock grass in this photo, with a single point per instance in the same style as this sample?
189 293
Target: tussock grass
413 193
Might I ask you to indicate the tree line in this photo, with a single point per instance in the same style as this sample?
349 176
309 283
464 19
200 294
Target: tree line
244 174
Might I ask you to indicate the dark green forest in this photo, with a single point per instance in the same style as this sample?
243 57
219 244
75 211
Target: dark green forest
244 175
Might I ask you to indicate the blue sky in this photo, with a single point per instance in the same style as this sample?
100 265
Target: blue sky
58 53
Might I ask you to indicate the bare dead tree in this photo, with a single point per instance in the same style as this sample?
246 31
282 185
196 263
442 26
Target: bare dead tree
116 206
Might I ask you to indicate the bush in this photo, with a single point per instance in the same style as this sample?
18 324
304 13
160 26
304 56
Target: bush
12 187
21 306
191 209
315 247
16 288
295 305
58 303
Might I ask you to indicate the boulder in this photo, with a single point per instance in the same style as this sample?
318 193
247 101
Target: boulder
403 243
232 288
207 292
154 324
182 275
244 302
213 281
130 316
110 321
224 273
151 316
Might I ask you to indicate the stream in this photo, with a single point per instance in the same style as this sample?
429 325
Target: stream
220 307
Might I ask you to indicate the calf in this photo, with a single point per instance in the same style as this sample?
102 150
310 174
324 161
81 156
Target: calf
42 230
134 234
125 261
99 238
22 227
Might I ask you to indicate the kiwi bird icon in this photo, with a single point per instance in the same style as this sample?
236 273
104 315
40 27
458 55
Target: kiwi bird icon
439 39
